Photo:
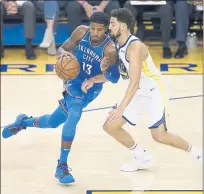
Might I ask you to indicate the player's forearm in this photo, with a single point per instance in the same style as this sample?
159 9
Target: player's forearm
130 92
67 46
99 79
61 51
113 77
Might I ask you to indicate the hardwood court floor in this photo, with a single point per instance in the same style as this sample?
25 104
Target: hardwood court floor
29 159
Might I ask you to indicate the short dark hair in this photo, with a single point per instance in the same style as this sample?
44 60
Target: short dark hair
100 18
123 15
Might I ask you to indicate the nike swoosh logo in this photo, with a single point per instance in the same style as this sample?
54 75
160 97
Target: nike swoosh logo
84 40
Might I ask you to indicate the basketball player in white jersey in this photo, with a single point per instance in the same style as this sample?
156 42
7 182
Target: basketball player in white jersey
146 88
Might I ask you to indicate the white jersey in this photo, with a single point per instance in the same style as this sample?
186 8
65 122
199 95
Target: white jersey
150 75
151 93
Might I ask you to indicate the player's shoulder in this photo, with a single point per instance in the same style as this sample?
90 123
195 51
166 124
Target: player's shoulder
137 49
136 44
80 31
82 28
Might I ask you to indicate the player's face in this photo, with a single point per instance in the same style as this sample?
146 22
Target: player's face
114 28
97 32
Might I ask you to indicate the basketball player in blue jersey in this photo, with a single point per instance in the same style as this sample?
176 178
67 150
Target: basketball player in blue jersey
97 56
146 89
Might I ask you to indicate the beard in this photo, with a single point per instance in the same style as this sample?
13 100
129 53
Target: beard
116 36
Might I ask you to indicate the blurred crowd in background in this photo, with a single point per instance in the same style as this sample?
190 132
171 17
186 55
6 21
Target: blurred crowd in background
79 11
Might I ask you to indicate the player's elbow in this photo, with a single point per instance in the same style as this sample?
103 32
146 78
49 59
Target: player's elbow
114 82
115 79
112 79
112 74
109 128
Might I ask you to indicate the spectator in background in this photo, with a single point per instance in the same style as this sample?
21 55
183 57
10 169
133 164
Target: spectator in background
182 14
27 10
165 13
51 11
1 42
183 11
196 2
77 10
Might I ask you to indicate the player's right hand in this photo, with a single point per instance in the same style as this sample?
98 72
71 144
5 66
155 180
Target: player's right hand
66 54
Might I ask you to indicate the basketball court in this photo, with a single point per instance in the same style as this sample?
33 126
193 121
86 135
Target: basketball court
29 159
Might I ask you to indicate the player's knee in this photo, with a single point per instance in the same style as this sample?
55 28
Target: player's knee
69 128
75 114
108 128
159 135
52 123
68 137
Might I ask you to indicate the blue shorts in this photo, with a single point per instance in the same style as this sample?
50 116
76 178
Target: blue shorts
73 94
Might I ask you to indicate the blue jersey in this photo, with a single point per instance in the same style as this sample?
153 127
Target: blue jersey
89 58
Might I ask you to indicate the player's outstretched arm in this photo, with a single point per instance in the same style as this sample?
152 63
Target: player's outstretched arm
69 45
136 54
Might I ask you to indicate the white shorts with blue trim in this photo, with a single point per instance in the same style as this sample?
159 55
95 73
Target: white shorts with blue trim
154 101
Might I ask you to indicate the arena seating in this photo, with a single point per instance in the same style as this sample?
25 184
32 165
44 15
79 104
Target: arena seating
14 23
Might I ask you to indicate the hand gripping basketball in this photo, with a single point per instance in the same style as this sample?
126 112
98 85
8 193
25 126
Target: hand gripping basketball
67 67
67 55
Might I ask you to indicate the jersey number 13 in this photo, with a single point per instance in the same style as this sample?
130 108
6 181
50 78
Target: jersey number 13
87 68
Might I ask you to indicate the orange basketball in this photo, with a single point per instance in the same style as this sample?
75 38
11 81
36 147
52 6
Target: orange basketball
67 68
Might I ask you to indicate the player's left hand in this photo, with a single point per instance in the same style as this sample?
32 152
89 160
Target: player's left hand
104 64
114 114
86 85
